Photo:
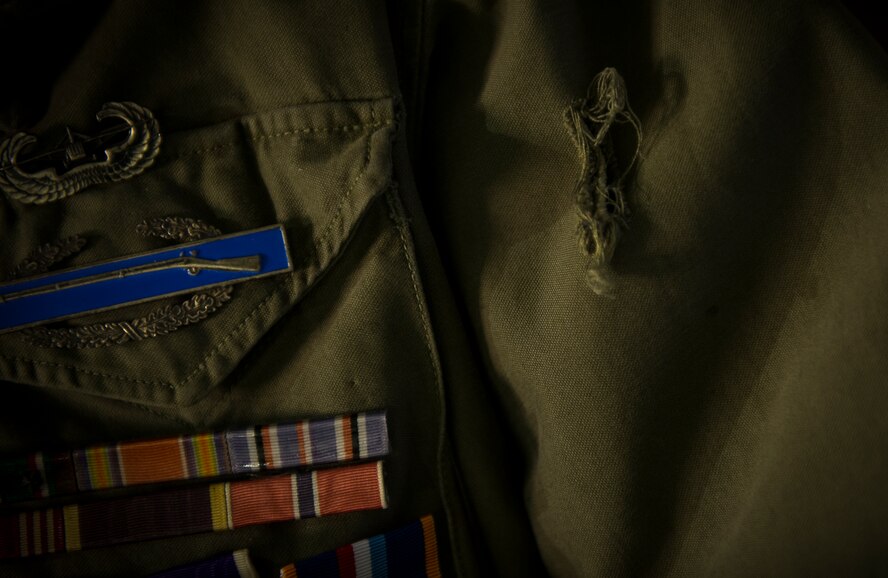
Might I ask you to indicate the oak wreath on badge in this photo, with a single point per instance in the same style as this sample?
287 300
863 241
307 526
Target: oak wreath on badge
213 263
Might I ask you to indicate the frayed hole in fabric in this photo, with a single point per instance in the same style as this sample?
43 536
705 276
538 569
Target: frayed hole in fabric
600 199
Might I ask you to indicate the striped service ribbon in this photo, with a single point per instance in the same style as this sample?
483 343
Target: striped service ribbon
332 440
408 552
184 511
234 565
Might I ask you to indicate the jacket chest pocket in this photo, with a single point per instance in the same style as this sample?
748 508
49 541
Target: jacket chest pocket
314 169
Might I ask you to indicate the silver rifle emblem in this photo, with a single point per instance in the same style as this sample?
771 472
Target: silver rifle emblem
161 321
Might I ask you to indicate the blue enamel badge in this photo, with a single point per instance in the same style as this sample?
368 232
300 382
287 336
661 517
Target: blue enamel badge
134 279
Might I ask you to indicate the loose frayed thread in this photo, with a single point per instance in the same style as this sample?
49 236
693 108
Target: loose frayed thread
601 204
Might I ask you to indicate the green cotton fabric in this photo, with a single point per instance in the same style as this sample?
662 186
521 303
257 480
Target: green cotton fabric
721 411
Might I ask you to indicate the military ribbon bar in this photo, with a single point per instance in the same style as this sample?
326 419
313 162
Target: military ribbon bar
408 552
234 565
185 511
223 260
310 442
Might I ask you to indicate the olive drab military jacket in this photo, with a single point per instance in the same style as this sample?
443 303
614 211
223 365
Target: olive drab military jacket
442 288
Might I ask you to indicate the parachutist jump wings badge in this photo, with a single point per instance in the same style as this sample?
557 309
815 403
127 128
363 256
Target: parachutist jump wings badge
114 155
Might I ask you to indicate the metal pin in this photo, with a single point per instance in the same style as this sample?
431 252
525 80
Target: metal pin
192 265
71 142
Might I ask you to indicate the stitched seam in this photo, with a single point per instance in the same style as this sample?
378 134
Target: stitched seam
337 215
212 353
397 216
327 230
293 132
344 128
414 280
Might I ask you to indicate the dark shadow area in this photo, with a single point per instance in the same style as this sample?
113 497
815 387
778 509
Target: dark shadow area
870 15
39 39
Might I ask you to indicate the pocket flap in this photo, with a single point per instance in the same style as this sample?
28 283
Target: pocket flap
312 168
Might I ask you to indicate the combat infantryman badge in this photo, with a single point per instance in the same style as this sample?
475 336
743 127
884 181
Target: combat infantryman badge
200 265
